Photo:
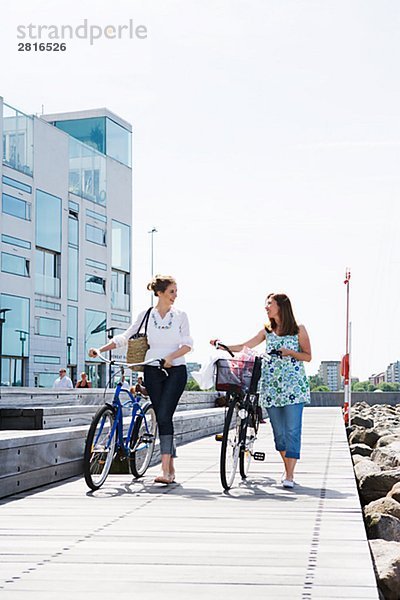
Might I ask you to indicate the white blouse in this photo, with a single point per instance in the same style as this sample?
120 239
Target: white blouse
164 335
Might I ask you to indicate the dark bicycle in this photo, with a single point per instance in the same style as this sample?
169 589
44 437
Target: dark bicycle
107 437
239 379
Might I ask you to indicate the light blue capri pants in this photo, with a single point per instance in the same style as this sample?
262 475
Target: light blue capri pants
286 425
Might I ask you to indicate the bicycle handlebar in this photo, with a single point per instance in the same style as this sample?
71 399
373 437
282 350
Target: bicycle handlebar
219 345
160 362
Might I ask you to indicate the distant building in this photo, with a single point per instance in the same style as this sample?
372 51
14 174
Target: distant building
393 372
377 378
329 372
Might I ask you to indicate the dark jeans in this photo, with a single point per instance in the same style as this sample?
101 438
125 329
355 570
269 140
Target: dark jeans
164 393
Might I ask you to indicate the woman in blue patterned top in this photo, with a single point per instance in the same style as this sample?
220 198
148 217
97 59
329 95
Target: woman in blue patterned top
284 387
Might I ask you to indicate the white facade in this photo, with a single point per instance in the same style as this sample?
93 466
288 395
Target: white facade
66 239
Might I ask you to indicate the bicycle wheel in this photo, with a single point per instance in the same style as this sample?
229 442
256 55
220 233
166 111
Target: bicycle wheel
230 445
143 441
247 438
99 448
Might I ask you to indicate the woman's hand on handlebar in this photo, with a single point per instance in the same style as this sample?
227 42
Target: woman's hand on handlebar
94 352
214 342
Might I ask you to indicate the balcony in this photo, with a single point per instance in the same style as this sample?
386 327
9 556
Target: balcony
49 286
119 301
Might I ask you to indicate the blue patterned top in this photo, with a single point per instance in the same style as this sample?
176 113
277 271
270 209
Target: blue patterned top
283 380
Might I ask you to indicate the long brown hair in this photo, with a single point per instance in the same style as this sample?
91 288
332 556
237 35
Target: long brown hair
288 322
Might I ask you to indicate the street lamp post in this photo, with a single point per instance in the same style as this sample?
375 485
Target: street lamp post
22 338
152 231
110 335
2 321
69 344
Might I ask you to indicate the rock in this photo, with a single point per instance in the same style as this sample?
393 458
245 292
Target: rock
362 422
364 436
364 467
395 492
384 527
388 457
361 449
386 557
376 485
357 458
385 506
388 439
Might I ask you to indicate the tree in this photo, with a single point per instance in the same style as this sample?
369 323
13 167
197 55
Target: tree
192 386
321 388
363 386
388 387
316 381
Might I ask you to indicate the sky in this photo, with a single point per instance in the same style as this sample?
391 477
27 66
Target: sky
266 152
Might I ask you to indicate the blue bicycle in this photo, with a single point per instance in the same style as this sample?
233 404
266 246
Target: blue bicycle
106 437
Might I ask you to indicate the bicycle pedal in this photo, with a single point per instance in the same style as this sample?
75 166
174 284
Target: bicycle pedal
259 455
147 438
219 437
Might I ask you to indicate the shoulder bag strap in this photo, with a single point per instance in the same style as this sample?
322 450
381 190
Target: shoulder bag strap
145 321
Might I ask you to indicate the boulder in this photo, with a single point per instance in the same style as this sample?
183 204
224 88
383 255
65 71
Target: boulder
362 421
388 457
386 557
364 467
357 458
364 436
361 449
387 439
382 526
385 506
376 485
395 492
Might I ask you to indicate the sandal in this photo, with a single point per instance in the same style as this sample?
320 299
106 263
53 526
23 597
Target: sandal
163 479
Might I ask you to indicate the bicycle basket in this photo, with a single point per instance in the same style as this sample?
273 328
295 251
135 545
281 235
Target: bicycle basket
235 375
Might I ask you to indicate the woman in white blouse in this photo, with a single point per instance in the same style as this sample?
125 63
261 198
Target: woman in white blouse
169 338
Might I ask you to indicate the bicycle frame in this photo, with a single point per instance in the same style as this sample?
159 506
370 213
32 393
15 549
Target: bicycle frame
123 442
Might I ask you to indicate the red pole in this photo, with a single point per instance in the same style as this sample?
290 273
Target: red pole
346 358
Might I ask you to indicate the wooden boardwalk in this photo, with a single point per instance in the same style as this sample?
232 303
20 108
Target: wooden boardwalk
193 541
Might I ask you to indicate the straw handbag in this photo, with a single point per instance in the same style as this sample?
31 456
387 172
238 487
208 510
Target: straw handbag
138 344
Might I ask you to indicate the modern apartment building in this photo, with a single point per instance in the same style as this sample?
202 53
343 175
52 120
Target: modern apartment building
329 372
393 372
66 239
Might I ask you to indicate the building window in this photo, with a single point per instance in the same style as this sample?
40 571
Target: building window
47 270
17 140
73 256
96 264
17 184
120 290
46 360
87 172
96 284
74 206
96 235
13 241
48 221
16 207
120 246
45 380
95 215
118 142
16 320
95 330
47 305
90 131
16 265
121 318
47 327
72 335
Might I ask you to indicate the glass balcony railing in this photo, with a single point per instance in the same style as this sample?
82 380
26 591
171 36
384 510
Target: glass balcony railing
87 172
120 301
49 286
17 140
